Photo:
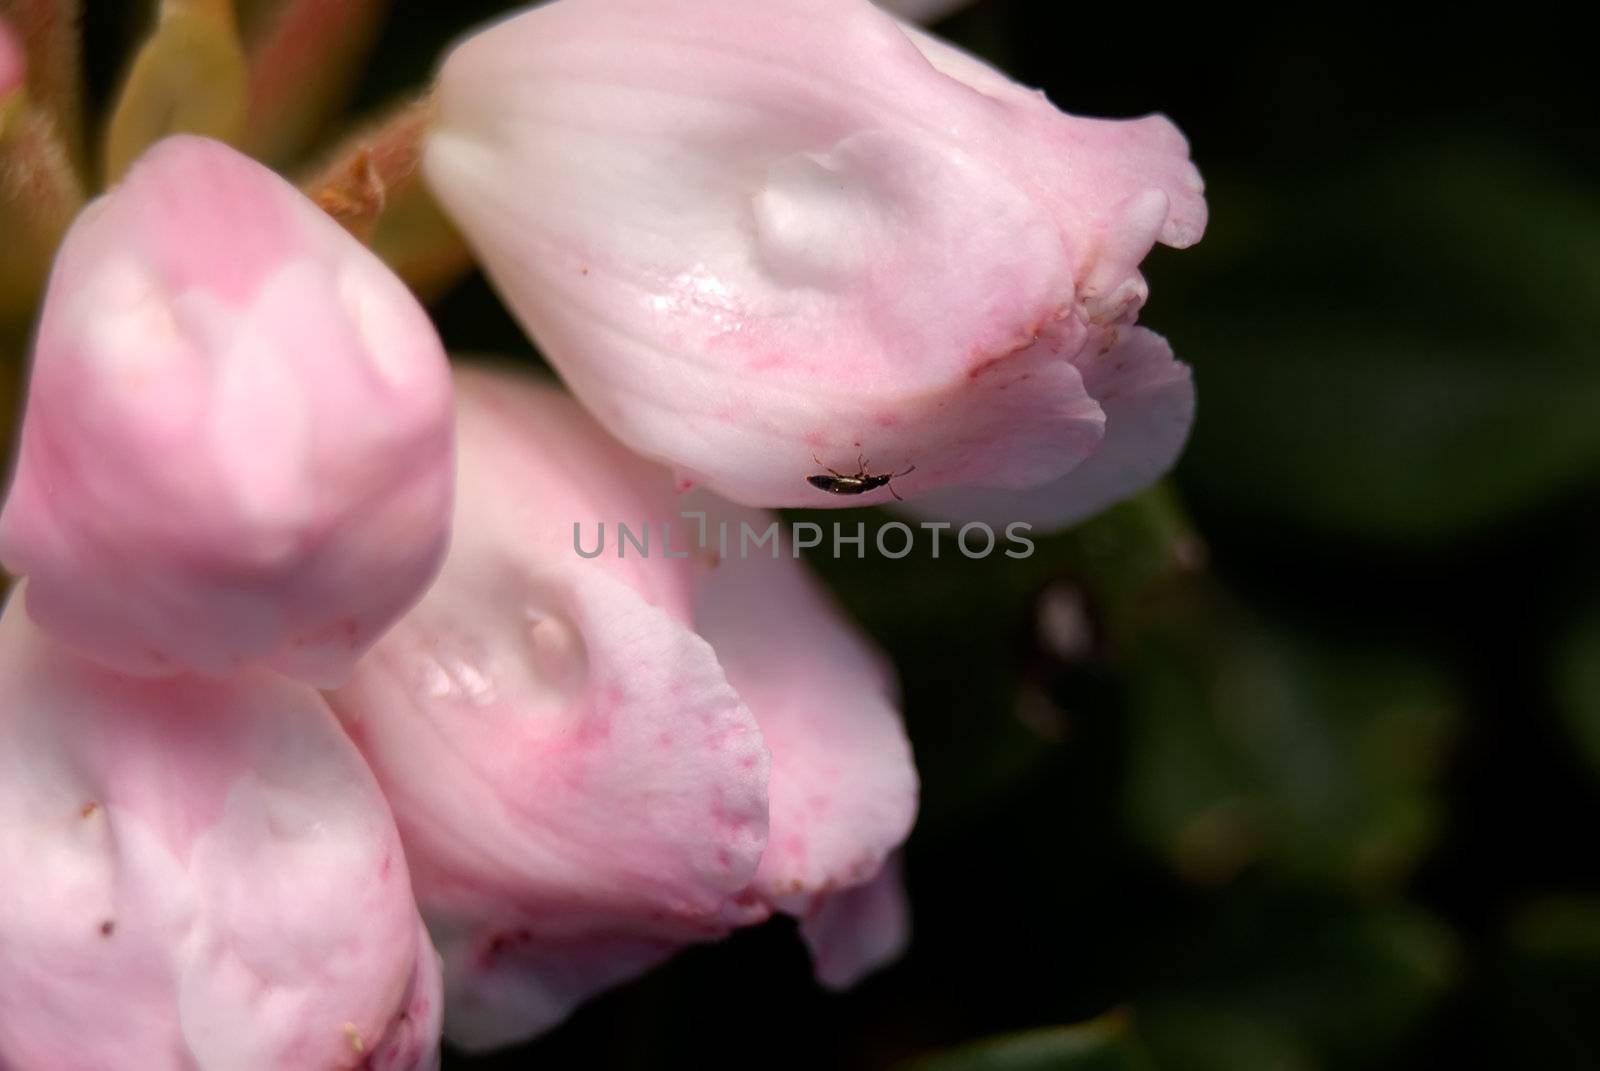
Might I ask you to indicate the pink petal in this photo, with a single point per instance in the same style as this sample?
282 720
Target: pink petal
237 445
1148 399
195 874
1111 160
412 1041
844 788
579 789
855 931
761 240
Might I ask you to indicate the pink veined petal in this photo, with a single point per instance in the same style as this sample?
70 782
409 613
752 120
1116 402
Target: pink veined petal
195 874
579 789
856 931
237 443
761 241
1148 399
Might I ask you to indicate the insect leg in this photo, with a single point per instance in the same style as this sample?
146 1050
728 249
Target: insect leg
835 472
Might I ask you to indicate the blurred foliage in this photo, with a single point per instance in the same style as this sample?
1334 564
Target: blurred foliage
1291 979
1551 962
1448 380
1577 683
1103 1045
1303 783
189 77
1254 743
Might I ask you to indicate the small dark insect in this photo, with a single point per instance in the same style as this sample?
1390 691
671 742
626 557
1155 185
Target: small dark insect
839 483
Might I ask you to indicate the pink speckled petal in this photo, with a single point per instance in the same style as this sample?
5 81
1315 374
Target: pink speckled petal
1148 399
195 874
579 789
412 1041
763 239
844 789
854 932
237 443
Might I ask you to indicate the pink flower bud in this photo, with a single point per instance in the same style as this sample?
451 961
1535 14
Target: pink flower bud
577 747
237 444
762 241
196 874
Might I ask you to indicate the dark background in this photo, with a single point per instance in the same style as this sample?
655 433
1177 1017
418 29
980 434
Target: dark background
1320 791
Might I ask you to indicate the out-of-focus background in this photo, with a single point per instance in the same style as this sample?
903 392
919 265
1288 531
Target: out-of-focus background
1294 764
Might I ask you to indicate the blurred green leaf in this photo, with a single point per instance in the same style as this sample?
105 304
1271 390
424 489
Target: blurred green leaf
1547 983
1250 743
1104 1044
1213 1037
189 77
1399 349
1578 687
1289 981
1558 929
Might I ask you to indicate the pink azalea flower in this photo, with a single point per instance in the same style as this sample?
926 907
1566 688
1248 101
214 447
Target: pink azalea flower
595 761
237 444
761 240
196 873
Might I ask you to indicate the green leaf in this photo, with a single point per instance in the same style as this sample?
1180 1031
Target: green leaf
1251 744
1220 1037
188 77
1288 980
1104 1044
